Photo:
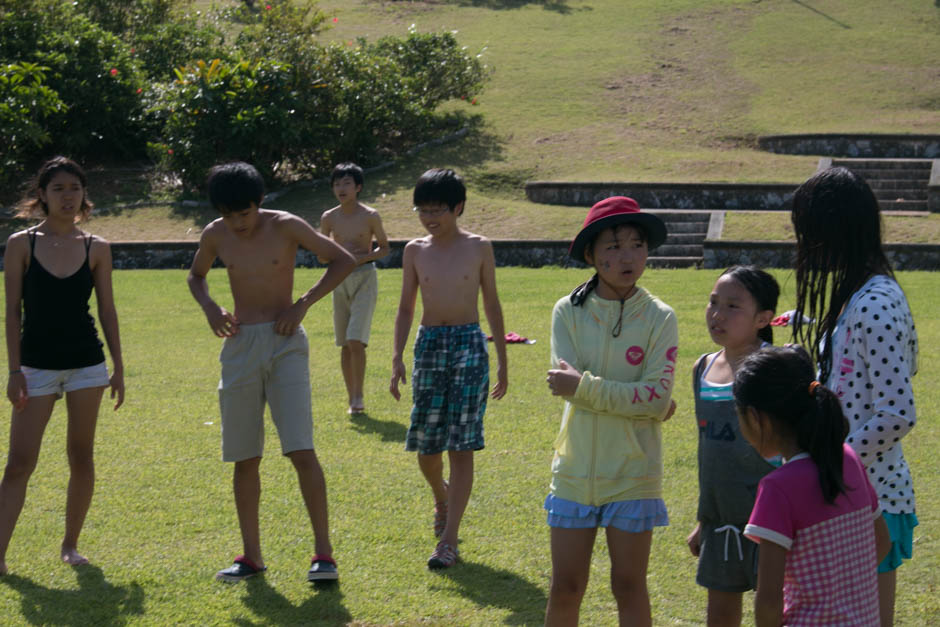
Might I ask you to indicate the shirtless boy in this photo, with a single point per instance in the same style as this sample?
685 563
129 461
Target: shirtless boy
265 353
358 229
451 369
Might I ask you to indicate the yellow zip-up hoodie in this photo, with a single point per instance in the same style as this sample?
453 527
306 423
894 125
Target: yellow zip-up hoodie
610 444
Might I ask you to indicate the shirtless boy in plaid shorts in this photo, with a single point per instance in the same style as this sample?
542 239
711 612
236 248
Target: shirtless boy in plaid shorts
451 367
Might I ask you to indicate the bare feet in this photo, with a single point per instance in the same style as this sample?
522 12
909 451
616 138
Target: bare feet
356 406
72 557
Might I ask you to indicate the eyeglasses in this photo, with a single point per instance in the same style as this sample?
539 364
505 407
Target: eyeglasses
431 211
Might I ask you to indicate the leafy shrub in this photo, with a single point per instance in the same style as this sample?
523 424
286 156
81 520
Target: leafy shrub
128 78
25 106
222 110
89 69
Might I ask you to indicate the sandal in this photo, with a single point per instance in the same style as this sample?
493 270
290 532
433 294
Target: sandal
444 556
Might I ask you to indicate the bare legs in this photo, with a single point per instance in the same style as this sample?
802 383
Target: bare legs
353 362
26 430
571 563
458 494
571 567
247 486
724 608
83 418
887 586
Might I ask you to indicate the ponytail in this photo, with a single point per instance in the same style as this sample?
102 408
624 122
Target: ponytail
580 293
820 431
780 383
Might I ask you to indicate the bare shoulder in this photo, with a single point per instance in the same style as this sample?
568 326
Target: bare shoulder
479 243
370 212
419 243
329 213
99 245
214 229
18 239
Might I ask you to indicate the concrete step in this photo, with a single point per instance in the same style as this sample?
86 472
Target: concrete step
679 250
907 175
903 205
686 227
673 262
884 164
901 194
877 184
686 238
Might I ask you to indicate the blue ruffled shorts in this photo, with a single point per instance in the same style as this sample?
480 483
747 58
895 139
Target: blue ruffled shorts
633 516
901 528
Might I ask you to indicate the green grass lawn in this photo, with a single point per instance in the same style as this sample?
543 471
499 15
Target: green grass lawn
163 520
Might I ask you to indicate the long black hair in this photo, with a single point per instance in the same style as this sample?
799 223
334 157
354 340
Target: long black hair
762 287
838 247
779 383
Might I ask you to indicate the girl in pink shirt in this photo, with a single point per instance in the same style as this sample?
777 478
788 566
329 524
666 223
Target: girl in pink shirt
817 517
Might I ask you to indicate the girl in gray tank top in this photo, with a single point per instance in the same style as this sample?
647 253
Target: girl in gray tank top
740 308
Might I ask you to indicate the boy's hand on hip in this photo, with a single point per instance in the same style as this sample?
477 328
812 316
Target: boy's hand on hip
398 374
288 320
222 323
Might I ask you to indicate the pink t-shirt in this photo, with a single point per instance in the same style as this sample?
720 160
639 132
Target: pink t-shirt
830 576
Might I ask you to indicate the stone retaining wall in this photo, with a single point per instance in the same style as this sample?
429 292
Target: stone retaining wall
879 146
530 254
754 196
721 254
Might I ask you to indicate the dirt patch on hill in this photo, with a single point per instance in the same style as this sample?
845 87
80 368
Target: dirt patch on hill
693 91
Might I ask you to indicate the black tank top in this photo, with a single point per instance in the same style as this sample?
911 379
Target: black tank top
58 331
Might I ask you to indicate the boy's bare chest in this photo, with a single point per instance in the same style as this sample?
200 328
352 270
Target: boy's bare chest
259 256
448 270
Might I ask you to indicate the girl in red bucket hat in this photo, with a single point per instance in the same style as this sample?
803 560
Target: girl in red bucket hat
613 361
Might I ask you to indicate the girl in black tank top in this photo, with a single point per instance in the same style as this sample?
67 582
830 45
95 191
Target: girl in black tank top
53 348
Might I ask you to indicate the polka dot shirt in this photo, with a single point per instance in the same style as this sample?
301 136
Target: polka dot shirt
874 356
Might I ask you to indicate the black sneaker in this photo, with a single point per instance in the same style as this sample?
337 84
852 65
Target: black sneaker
322 568
243 568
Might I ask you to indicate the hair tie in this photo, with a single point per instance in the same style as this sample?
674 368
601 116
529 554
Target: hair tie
812 387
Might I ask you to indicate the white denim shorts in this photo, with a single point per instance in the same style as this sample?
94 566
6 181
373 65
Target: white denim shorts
40 382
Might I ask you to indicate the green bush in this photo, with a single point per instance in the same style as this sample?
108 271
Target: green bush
151 77
222 110
89 69
26 104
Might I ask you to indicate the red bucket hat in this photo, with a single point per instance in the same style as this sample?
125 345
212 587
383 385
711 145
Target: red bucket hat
611 212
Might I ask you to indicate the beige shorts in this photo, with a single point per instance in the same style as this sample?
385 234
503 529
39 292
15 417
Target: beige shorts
260 366
42 382
353 305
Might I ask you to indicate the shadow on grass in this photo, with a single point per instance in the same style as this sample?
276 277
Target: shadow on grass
96 602
490 587
325 605
389 430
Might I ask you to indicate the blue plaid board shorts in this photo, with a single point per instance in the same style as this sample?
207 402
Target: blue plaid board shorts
449 383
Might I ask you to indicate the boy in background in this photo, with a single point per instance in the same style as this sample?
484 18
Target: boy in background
451 366
265 353
357 228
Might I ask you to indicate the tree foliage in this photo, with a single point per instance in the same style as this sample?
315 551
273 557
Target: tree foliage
153 78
